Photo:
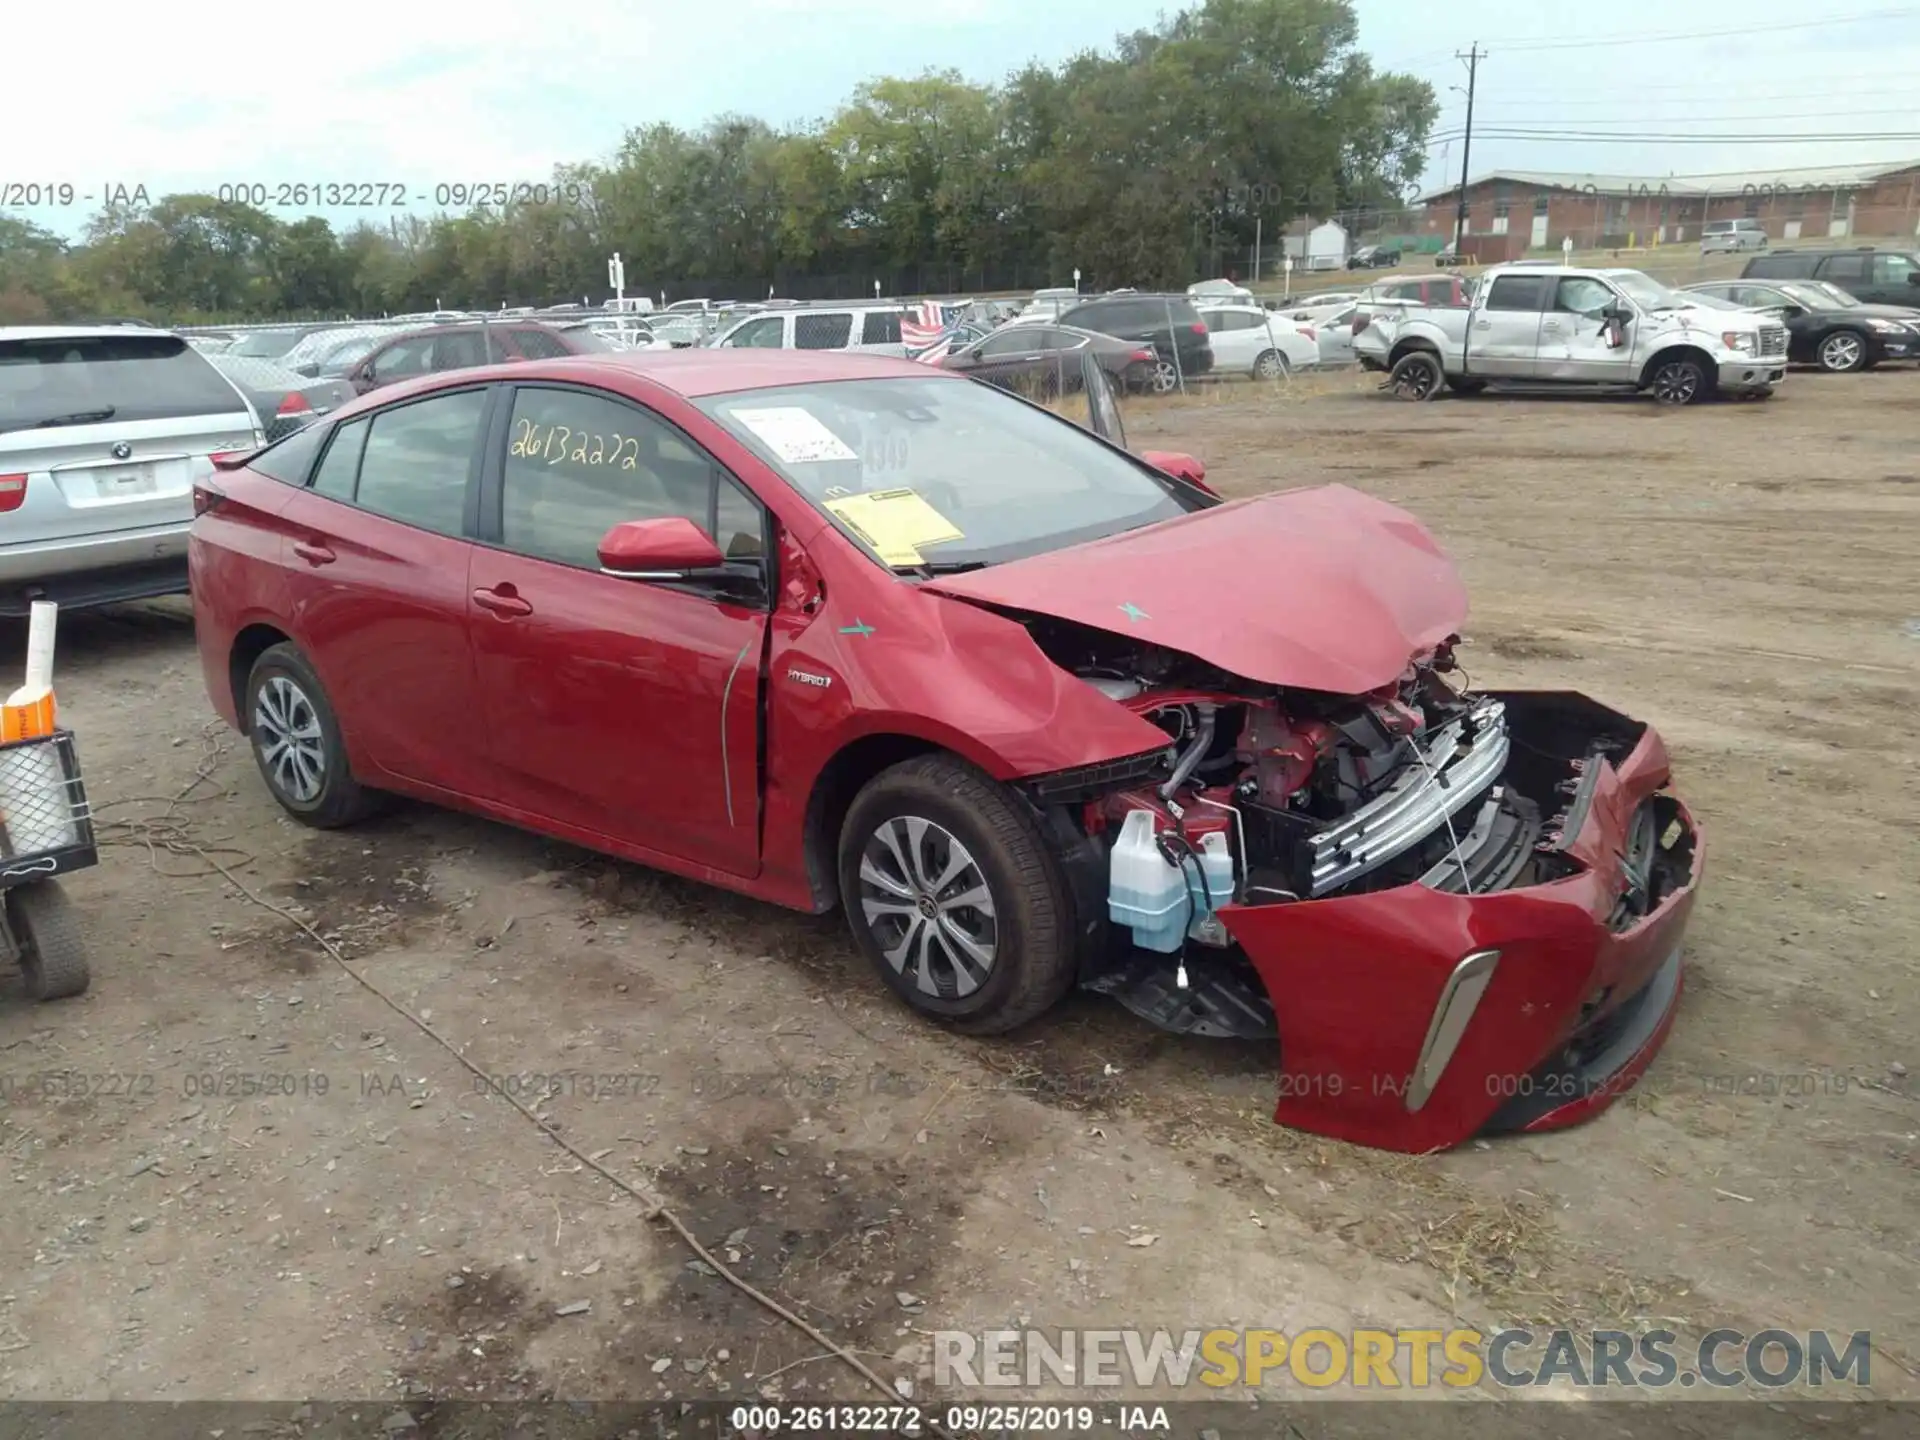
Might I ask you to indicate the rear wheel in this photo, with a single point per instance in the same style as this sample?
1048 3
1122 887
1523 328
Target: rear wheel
297 744
1417 376
1165 378
951 893
46 931
1271 365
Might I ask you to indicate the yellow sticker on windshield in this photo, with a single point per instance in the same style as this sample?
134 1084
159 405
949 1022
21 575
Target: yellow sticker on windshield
896 523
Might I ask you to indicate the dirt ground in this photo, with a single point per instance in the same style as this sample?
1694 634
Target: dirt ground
236 1173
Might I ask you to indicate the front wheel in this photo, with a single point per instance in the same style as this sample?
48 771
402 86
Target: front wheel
46 933
1843 351
952 895
1678 382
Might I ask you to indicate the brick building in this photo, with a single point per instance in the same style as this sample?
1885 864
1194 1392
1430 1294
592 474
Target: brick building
1538 209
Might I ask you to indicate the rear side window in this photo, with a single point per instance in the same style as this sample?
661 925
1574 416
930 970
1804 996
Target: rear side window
290 460
341 467
880 327
822 332
458 349
416 461
539 344
1518 292
94 379
267 344
1841 269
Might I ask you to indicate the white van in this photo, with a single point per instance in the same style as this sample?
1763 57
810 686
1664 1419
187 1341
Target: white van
865 329
1732 235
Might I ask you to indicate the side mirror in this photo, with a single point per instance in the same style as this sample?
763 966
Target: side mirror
1189 468
670 548
1913 277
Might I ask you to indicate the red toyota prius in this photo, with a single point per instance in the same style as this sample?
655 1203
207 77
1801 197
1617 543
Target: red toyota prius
1034 711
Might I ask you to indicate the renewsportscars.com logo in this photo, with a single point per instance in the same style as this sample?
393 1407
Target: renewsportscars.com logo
1399 1359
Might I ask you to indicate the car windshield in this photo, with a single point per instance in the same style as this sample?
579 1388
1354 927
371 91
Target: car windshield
944 473
1644 290
54 380
266 344
1835 295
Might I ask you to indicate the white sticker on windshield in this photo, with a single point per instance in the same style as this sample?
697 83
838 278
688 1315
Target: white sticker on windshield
795 435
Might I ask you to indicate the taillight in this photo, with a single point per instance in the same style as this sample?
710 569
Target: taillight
1139 355
1309 332
294 404
13 492
1360 323
1199 328
205 498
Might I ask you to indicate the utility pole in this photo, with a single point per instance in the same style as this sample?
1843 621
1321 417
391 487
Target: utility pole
1473 57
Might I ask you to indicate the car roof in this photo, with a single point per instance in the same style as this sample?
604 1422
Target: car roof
691 374
75 332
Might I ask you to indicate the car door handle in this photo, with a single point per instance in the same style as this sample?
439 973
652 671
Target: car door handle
313 552
501 601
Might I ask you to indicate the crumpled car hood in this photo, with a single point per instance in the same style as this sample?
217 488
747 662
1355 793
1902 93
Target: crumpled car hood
1326 589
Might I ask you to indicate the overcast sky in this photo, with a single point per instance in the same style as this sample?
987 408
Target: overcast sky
425 92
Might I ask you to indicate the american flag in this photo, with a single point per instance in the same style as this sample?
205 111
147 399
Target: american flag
928 329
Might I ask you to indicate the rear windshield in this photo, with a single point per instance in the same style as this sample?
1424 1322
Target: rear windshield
268 344
91 379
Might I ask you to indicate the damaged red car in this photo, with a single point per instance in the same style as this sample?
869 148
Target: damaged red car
1035 712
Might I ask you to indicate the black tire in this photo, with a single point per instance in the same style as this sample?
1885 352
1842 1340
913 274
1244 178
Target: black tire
1033 958
1461 385
53 951
1417 376
1681 381
1271 365
335 798
1842 352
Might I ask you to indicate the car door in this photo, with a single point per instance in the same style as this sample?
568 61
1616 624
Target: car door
1893 280
765 333
624 708
403 359
1010 358
1574 334
1233 339
376 565
1504 334
1851 272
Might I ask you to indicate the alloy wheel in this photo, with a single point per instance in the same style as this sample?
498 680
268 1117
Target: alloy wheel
1675 383
1270 366
1165 377
1842 352
928 905
287 735
1418 377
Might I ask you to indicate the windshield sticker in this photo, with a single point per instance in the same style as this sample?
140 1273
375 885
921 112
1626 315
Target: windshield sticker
795 435
896 523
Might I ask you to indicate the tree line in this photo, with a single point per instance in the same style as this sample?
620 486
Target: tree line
1139 165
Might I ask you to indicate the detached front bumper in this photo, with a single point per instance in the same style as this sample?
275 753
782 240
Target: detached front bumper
1414 1018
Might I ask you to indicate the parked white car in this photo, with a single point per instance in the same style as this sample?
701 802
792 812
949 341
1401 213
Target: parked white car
1312 309
1248 340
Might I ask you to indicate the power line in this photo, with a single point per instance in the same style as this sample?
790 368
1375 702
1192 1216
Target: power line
1886 112
1650 137
1831 22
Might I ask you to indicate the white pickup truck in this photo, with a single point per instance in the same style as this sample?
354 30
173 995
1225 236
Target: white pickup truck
1553 325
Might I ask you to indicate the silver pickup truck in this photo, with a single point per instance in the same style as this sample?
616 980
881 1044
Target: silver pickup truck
1553 325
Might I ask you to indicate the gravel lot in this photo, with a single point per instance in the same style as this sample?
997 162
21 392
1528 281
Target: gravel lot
237 1172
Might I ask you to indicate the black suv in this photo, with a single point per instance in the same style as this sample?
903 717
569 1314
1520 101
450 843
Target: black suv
1168 323
1879 277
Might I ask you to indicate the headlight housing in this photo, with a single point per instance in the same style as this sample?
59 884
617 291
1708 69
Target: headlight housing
1888 327
1744 342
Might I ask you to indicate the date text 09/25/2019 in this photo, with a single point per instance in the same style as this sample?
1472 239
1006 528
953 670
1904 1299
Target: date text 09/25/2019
53 193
